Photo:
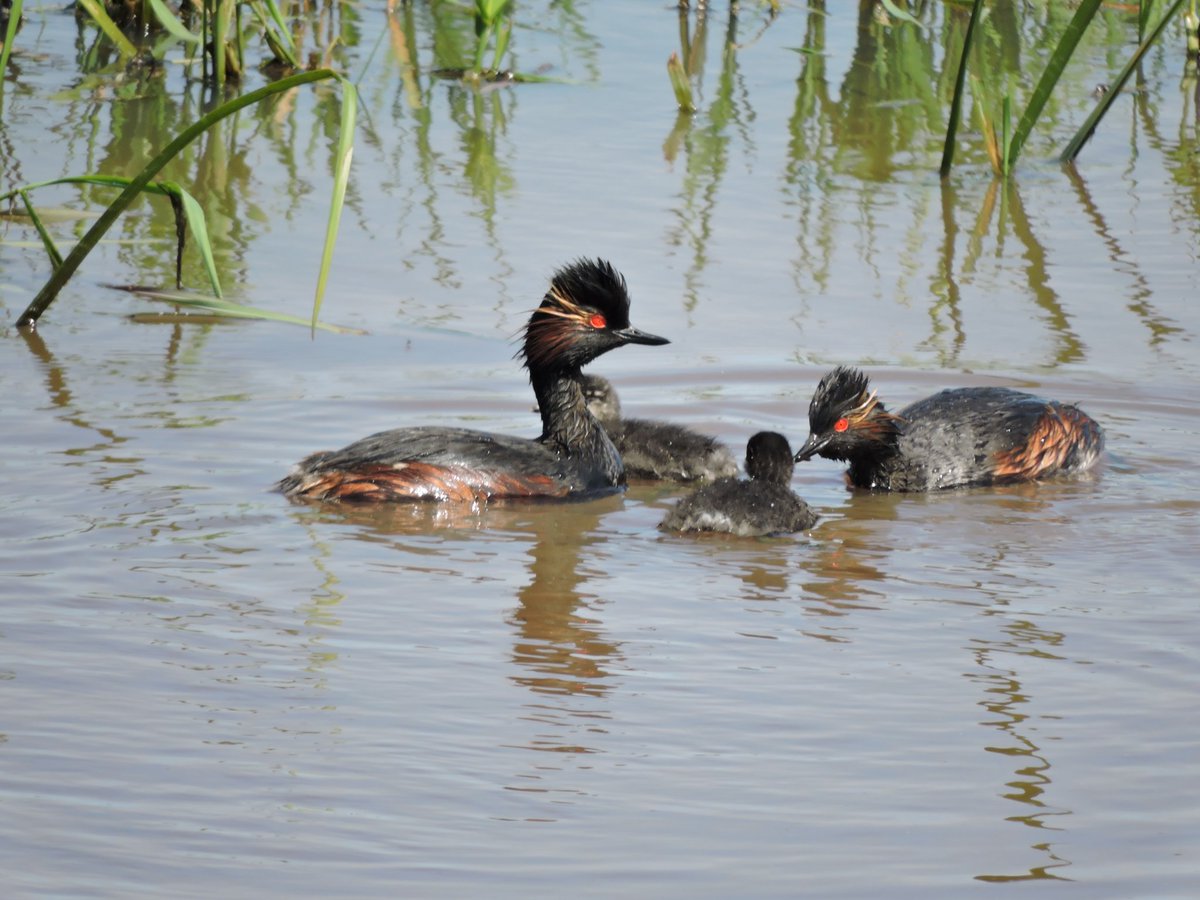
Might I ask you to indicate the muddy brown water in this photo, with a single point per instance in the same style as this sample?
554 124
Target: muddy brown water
206 689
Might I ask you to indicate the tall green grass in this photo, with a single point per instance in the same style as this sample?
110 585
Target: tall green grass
493 25
6 37
217 41
1006 143
189 213
1114 89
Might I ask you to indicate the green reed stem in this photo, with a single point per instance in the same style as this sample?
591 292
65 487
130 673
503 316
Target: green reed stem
960 80
47 241
136 185
1089 125
1054 68
680 84
341 177
10 32
219 22
171 23
95 9
189 215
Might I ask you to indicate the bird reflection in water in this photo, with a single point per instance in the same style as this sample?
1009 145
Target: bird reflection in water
559 648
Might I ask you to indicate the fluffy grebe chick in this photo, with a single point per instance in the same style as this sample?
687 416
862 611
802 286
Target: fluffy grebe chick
762 505
652 449
958 437
585 313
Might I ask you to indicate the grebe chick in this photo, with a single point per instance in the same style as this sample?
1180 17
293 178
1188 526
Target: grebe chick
585 313
958 437
762 505
651 449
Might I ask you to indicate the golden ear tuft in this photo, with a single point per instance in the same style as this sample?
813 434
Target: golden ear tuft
562 306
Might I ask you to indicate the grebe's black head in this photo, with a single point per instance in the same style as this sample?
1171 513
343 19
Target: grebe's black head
845 417
601 398
584 313
769 458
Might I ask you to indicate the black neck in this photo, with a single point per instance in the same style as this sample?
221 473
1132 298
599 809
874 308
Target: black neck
565 417
869 462
572 431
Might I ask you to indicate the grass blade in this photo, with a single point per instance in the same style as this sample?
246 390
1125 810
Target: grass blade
281 26
114 181
960 80
92 236
481 46
109 27
897 13
680 84
502 35
10 32
47 241
1054 68
275 31
990 141
345 152
198 226
1089 125
192 211
230 310
170 22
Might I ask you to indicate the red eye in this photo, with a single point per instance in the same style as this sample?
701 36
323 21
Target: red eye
841 425
597 321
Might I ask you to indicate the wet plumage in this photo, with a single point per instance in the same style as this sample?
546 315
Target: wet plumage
652 449
584 313
764 504
955 438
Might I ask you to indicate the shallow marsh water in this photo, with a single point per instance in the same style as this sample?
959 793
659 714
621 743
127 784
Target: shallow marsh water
207 690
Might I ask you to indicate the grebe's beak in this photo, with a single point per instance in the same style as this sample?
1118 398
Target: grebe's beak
631 335
813 446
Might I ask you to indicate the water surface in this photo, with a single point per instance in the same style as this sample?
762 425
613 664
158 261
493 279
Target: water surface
209 690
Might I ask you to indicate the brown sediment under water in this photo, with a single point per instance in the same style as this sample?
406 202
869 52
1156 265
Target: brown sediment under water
209 690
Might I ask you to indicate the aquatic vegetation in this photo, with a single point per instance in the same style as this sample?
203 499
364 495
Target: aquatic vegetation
680 84
493 27
1113 90
686 65
216 308
493 23
189 214
65 267
957 100
10 21
221 41
917 74
1004 148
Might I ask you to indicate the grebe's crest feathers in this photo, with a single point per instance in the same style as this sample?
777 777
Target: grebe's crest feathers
585 313
840 392
593 283
845 416
955 438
